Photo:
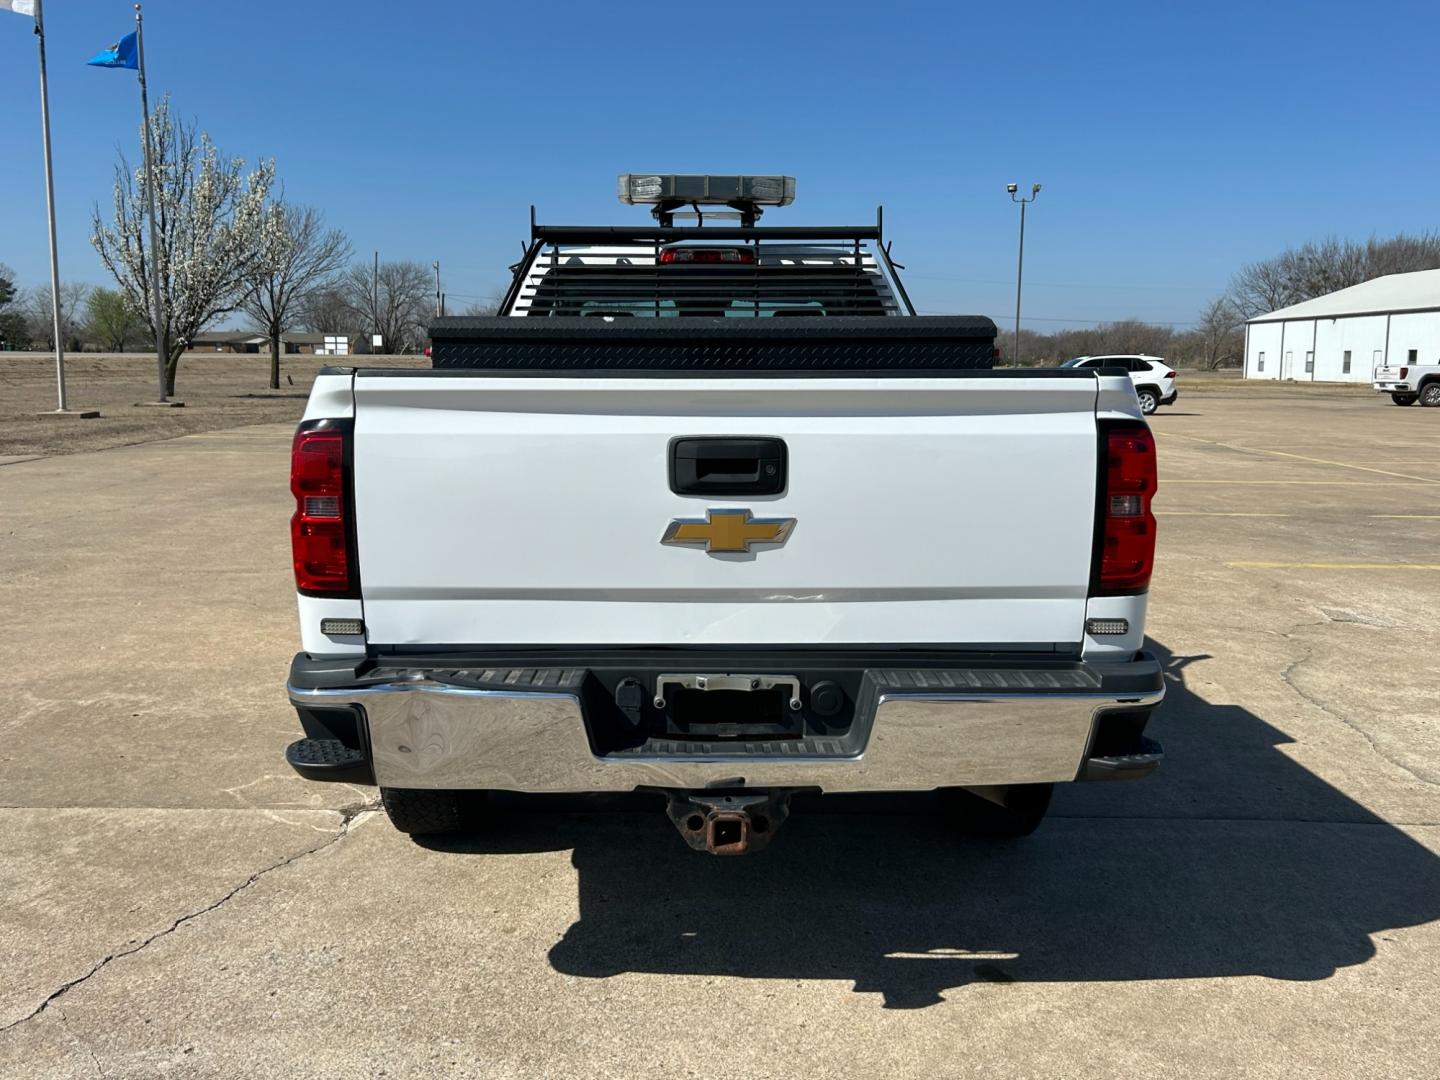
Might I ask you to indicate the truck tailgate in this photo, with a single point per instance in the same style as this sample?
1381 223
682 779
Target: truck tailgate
531 510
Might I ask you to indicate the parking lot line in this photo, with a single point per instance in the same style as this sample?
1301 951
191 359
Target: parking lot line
1330 566
1310 483
1218 513
1299 457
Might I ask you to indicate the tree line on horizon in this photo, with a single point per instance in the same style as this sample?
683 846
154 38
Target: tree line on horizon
1217 338
230 243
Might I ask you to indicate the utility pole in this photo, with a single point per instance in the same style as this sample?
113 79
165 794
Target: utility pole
1020 268
439 303
375 301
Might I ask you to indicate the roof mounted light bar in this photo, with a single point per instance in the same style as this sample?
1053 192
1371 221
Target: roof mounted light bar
668 192
637 189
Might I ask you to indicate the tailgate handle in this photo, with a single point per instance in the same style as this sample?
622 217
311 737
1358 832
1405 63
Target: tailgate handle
721 465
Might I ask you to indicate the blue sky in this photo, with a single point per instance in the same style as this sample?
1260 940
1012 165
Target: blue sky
1174 141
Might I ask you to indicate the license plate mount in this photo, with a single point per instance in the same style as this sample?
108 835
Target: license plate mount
727 705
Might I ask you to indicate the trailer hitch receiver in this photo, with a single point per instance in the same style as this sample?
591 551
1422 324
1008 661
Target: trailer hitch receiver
728 824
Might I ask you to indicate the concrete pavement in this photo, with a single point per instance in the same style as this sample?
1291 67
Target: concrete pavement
173 900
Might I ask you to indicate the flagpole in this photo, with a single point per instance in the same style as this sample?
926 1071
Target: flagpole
50 210
161 336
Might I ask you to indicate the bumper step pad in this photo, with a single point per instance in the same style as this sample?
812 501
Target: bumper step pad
1145 760
329 759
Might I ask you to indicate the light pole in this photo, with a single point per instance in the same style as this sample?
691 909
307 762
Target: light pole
1020 269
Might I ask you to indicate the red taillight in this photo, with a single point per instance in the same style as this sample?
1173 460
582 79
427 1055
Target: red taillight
1404 371
318 536
707 255
1168 374
1127 554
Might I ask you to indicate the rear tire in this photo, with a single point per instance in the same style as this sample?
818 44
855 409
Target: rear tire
1149 401
1404 399
421 812
1025 806
1430 395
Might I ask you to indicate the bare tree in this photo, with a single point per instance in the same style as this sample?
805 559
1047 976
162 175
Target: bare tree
210 223
1123 336
111 321
1330 265
14 329
1262 287
40 312
1402 254
1314 269
300 256
326 311
395 303
1219 334
489 306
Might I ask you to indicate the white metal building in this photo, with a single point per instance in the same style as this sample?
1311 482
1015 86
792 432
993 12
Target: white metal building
1343 336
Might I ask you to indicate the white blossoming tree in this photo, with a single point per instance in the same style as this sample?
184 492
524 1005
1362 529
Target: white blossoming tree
210 218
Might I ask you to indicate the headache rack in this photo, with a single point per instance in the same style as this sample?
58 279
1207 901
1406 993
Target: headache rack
624 300
780 271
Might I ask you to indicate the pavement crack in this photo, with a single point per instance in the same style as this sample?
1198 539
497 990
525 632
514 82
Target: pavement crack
1288 678
65 1023
349 816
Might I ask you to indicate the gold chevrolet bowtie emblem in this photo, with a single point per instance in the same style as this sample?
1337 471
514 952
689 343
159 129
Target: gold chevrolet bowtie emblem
728 530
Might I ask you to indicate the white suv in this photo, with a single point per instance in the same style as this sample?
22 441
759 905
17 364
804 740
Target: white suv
1154 379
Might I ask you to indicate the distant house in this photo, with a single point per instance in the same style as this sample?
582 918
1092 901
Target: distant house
291 344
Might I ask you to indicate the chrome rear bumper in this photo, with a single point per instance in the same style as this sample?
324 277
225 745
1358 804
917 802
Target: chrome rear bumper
424 733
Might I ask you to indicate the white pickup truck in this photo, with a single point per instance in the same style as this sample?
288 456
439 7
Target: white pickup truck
1409 382
708 511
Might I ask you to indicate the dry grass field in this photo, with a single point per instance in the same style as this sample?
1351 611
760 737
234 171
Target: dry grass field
219 390
223 390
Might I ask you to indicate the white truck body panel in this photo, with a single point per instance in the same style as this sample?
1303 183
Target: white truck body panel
927 510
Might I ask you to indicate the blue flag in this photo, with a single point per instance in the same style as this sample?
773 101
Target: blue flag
123 54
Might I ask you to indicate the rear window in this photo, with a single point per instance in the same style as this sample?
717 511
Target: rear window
743 291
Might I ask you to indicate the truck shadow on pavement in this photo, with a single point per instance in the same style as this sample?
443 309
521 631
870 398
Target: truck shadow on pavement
1232 860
